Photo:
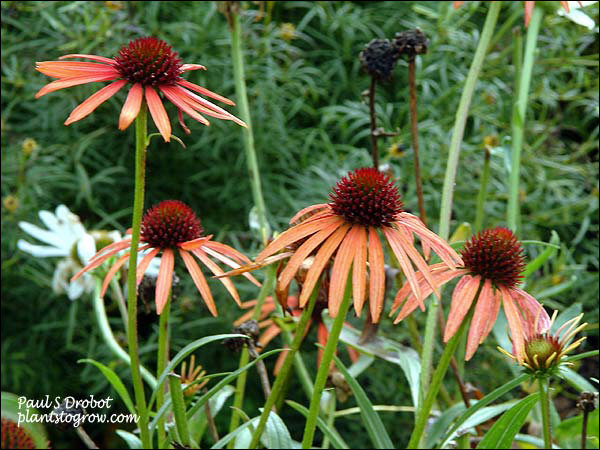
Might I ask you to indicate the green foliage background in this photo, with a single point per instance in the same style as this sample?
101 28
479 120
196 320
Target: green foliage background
311 126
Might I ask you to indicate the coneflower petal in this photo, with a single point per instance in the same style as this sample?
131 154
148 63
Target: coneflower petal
92 57
341 269
514 322
63 83
158 113
376 275
303 251
493 314
143 265
69 69
195 243
164 280
268 335
182 104
320 261
204 106
186 67
204 91
94 100
532 309
225 260
113 270
215 269
462 298
359 271
119 245
322 338
481 317
405 264
294 234
227 250
307 210
131 107
529 5
199 281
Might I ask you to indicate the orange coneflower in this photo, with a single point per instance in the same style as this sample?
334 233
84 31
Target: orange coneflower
363 205
272 327
169 226
147 64
493 262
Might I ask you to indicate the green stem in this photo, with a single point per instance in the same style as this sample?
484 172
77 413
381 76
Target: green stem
330 418
323 373
163 359
427 349
461 117
545 404
108 336
240 387
481 196
434 387
179 409
141 130
518 117
244 111
120 300
287 365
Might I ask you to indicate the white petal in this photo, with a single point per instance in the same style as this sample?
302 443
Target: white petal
86 248
50 220
41 251
579 17
76 288
46 236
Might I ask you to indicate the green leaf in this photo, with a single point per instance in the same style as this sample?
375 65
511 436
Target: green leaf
503 432
116 382
388 350
532 441
276 434
331 433
131 439
198 422
544 256
442 423
575 380
496 393
568 433
10 410
185 351
372 421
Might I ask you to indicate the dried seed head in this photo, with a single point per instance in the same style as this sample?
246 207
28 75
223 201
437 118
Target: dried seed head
379 58
410 43
495 254
367 197
149 61
170 223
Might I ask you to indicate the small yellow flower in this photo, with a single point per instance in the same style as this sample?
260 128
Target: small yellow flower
396 150
114 5
491 141
287 31
10 203
29 146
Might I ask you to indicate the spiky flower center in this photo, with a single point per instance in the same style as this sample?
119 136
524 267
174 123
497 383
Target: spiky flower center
149 61
495 254
170 223
367 197
15 436
540 349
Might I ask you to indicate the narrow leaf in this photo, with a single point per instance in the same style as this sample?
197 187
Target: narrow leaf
116 382
329 432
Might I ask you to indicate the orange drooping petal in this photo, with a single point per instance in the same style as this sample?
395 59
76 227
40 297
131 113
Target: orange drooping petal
294 234
132 106
303 251
322 338
458 4
92 57
484 309
531 308
204 106
227 250
529 5
214 268
96 262
178 101
119 245
199 281
376 275
514 322
230 263
405 264
143 265
69 69
186 67
320 261
165 279
195 243
566 6
308 210
269 334
158 113
359 271
111 273
341 269
493 314
94 100
73 81
462 298
204 91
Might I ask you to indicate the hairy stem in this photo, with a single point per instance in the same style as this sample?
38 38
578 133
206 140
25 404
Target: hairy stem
481 196
163 359
141 130
373 116
545 404
412 81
